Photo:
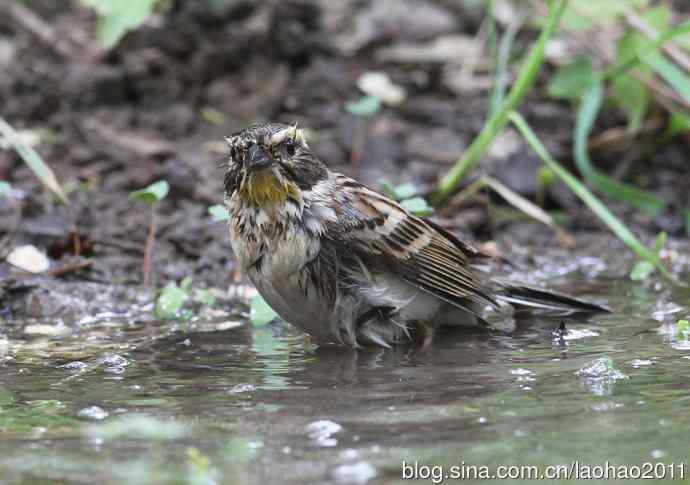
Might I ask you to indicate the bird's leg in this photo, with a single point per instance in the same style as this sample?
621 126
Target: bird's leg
423 334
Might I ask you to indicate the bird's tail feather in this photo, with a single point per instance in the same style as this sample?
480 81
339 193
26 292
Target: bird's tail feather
526 296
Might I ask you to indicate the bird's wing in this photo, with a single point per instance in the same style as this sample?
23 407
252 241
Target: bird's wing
384 234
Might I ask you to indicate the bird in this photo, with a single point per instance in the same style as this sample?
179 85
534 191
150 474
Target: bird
348 265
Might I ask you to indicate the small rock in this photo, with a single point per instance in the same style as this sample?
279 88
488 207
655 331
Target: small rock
29 258
379 84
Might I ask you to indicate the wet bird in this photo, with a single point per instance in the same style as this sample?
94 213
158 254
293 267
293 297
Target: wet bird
346 264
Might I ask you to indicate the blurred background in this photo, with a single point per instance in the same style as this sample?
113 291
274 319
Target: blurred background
115 96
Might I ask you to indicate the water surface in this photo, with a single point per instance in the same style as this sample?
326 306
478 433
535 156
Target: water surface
223 402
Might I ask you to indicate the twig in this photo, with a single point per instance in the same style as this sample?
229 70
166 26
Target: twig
148 251
69 268
359 140
617 134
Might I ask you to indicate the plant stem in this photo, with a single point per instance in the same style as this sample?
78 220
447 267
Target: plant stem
595 205
148 250
498 120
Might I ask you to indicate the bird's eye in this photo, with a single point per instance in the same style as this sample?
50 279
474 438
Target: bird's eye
290 146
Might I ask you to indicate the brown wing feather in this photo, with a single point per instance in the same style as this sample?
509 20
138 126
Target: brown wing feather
381 230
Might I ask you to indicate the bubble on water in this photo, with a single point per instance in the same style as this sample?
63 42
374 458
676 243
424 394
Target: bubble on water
579 333
656 454
360 472
349 454
241 388
637 363
93 412
600 376
115 370
606 406
482 420
115 360
76 366
321 432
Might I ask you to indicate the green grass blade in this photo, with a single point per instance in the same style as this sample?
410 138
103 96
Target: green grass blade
525 80
502 58
590 105
595 205
671 73
33 160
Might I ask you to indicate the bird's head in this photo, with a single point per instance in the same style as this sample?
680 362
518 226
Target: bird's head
270 163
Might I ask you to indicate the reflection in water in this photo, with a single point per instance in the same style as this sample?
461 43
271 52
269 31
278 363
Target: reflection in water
206 402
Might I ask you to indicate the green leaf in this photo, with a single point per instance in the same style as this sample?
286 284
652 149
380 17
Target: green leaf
186 284
631 95
5 189
683 327
671 73
153 193
261 312
33 160
418 206
586 115
641 271
571 81
219 213
116 17
406 191
366 106
170 301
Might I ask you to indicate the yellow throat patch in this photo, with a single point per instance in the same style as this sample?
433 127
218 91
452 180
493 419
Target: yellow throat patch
264 189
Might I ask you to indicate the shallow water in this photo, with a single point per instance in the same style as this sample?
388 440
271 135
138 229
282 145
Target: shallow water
204 402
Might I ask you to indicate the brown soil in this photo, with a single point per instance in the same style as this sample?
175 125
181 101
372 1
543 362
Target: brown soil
158 106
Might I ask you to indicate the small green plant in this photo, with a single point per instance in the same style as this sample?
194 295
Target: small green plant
407 195
172 299
260 312
683 328
365 107
151 195
116 17
643 269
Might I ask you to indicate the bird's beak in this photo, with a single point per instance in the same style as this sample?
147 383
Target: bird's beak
258 159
